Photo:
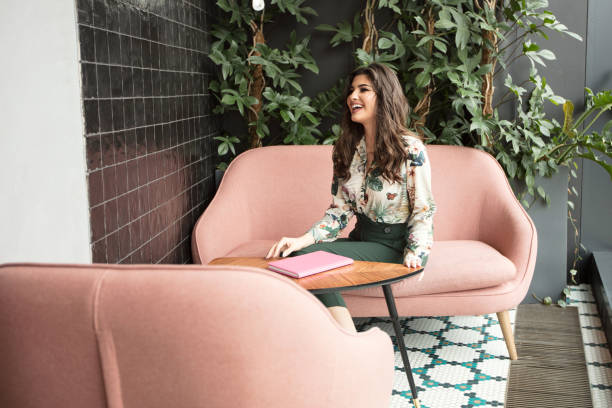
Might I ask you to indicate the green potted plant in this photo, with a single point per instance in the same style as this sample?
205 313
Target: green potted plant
258 84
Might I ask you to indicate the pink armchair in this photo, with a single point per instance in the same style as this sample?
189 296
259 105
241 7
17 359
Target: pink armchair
184 336
485 243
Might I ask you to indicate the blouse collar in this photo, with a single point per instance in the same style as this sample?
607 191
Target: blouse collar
361 149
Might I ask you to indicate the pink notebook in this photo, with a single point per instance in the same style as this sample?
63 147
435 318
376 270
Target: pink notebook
309 264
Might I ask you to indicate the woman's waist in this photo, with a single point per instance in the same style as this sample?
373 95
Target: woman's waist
388 231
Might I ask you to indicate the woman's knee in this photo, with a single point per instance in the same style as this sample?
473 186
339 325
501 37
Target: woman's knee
343 317
331 299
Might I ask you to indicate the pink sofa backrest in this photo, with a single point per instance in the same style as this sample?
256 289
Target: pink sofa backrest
282 190
288 184
292 186
465 182
178 336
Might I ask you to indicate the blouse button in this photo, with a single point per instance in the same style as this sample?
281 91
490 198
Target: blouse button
387 230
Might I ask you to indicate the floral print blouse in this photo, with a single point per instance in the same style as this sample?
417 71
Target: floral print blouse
409 202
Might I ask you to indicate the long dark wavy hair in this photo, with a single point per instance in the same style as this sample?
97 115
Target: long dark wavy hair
392 112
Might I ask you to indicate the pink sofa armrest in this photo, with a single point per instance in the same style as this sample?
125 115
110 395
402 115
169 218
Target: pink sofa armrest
236 334
226 223
506 226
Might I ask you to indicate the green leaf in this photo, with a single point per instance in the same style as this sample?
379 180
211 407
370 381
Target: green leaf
364 57
573 35
421 22
228 99
325 27
529 180
440 45
538 140
240 106
424 41
546 54
312 67
251 100
528 46
462 35
295 85
562 303
311 118
511 168
385 43
422 79
454 78
444 23
483 69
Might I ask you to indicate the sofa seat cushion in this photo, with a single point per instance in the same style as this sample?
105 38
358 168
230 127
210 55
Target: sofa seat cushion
453 266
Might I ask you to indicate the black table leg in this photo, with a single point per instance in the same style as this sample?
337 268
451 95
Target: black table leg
399 336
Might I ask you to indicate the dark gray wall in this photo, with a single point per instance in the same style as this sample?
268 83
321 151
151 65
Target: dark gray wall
596 215
566 77
596 225
549 274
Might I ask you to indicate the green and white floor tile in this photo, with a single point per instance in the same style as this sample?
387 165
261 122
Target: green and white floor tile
457 362
462 361
596 351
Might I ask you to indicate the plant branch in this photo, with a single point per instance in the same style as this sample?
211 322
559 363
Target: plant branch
501 69
391 23
370 34
509 91
601 112
564 155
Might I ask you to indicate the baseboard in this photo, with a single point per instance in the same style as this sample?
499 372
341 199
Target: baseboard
600 268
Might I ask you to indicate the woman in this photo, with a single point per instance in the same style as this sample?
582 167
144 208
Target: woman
382 175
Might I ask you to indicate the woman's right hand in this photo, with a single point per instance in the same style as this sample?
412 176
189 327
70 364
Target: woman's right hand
286 246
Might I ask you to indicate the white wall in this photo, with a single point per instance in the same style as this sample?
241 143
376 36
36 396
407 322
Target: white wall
44 213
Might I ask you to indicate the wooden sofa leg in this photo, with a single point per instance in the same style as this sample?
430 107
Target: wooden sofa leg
504 322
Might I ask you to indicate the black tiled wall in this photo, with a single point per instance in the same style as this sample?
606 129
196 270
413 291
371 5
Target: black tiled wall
148 126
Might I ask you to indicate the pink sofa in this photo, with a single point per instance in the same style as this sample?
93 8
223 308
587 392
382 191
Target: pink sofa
485 243
184 336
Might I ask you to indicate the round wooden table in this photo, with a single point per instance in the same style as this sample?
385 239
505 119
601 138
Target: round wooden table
358 275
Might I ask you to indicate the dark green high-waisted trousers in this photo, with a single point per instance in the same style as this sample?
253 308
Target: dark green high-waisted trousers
369 241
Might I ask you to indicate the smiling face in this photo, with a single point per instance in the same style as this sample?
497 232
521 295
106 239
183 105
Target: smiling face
361 100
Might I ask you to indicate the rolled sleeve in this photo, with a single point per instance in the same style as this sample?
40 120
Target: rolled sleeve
419 231
336 217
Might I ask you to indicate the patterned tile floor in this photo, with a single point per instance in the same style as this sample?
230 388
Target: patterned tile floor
462 361
596 351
